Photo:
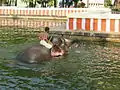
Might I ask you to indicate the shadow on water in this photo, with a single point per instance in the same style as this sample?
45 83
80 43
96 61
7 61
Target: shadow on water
88 66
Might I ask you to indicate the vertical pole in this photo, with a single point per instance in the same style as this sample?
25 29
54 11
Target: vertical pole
63 3
15 2
87 3
55 2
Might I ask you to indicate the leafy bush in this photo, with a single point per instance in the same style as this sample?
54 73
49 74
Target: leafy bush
81 5
108 3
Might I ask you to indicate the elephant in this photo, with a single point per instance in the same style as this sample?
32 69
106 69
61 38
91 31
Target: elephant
38 53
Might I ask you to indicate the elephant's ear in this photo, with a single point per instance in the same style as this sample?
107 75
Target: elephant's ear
68 42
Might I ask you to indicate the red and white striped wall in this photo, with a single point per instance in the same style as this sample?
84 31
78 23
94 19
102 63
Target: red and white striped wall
39 11
98 22
30 23
44 11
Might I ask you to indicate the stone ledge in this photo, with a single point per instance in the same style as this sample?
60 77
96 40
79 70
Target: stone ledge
115 37
34 17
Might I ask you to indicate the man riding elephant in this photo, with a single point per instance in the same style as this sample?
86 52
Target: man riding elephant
46 50
45 40
43 37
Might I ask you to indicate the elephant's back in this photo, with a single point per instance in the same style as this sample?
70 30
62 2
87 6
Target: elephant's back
34 54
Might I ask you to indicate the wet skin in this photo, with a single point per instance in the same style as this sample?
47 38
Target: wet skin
38 53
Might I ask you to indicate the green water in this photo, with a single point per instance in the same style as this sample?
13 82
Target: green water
89 66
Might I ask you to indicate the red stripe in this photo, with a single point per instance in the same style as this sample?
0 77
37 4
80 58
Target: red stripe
87 24
95 24
65 13
17 12
112 25
0 11
68 11
79 23
119 26
51 12
71 23
43 12
103 25
47 12
61 12
20 12
7 11
34 12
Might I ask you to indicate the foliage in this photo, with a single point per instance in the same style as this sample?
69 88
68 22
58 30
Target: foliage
7 2
34 2
108 3
81 5
29 3
51 3
116 9
75 0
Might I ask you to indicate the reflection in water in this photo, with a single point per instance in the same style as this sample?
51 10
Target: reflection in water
90 66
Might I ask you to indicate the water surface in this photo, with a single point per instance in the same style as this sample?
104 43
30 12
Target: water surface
88 66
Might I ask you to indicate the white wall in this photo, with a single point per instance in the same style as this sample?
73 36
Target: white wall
21 4
112 1
95 3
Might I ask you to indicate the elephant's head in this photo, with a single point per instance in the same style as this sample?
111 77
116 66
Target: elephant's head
61 42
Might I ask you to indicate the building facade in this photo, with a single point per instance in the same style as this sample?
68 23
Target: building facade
117 3
20 3
89 3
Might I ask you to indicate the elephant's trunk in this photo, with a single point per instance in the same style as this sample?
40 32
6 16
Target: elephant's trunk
57 51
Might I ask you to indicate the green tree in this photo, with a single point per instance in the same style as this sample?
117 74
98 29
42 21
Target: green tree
51 3
32 3
75 2
108 3
3 2
8 2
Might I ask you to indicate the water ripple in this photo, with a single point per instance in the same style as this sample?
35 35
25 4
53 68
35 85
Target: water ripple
89 66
